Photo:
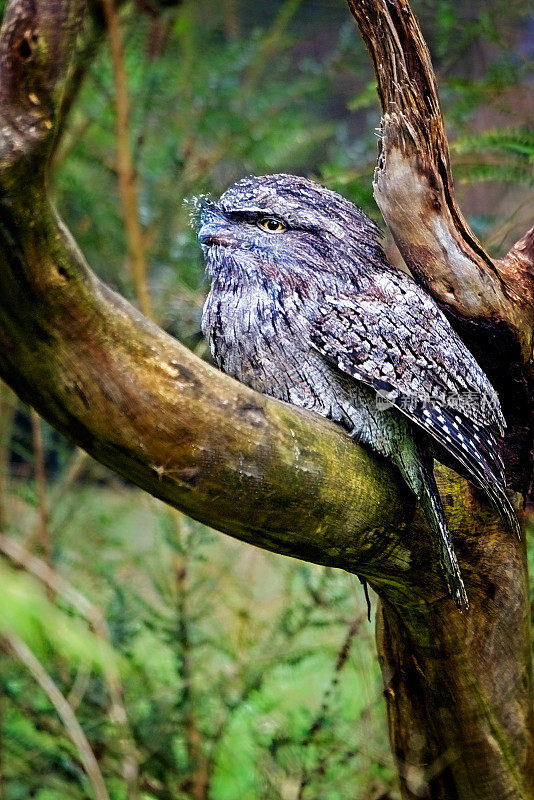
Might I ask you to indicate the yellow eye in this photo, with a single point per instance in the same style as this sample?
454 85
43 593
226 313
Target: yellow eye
271 224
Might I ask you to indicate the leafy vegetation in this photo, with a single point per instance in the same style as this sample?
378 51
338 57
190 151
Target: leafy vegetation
226 655
144 656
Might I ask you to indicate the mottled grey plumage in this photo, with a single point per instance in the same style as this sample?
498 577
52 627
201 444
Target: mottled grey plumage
304 307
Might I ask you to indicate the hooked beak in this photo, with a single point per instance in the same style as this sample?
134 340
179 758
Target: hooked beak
215 229
213 233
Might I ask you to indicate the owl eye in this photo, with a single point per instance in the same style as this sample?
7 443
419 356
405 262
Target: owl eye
271 224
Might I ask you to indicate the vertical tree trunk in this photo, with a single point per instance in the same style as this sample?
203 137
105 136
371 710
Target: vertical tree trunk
458 688
458 693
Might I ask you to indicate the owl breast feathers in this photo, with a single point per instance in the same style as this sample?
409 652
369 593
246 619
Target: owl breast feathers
304 306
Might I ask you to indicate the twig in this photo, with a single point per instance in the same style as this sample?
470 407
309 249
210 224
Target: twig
42 533
196 782
320 719
127 178
79 686
231 19
69 476
58 585
267 48
65 712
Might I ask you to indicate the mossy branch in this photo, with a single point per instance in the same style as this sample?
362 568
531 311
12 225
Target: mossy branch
138 401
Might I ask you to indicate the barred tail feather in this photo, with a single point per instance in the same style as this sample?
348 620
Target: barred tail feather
477 451
435 515
500 500
416 468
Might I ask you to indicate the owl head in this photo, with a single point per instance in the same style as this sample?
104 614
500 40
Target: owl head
282 225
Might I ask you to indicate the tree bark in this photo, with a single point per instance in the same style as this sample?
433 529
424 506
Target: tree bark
458 690
458 686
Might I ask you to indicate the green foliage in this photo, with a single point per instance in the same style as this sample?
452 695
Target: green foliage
498 155
216 642
218 118
42 624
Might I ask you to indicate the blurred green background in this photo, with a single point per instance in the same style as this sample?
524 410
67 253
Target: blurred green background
142 655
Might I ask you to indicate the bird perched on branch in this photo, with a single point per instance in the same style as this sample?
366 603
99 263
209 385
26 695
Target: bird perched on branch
304 306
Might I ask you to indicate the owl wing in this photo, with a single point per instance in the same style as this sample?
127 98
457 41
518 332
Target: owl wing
394 338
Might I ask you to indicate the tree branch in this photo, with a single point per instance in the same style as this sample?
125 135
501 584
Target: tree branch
413 182
139 402
489 302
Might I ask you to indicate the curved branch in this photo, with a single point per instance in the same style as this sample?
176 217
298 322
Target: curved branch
139 402
144 405
413 182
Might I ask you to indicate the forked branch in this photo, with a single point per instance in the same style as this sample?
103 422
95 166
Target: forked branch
489 302
413 182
